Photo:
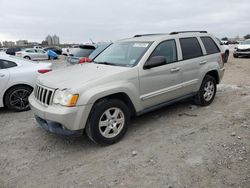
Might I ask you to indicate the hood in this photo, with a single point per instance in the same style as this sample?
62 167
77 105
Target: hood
243 46
74 76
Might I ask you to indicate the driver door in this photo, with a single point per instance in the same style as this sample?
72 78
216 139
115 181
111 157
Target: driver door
163 83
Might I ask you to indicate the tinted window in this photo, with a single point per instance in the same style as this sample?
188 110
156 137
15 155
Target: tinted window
30 51
190 48
210 45
82 52
166 49
6 64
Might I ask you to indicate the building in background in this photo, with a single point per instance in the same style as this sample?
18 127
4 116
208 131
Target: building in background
52 40
8 43
56 40
22 43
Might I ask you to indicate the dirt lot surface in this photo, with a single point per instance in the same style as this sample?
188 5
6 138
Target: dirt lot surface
179 146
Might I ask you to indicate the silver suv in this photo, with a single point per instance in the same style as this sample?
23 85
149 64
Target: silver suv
131 77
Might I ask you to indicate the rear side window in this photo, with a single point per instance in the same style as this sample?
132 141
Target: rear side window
7 64
210 45
166 49
190 48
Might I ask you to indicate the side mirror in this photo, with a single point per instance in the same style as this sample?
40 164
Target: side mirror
155 62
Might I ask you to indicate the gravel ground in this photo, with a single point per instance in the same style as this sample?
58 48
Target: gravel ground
178 146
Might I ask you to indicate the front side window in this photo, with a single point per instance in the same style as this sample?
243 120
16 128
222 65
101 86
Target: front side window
123 53
190 48
210 45
7 64
166 49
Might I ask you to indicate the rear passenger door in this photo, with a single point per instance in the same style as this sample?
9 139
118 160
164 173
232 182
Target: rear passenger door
192 60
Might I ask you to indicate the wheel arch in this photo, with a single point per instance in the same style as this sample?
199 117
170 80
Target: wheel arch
215 74
120 96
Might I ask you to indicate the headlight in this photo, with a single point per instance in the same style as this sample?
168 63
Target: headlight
65 98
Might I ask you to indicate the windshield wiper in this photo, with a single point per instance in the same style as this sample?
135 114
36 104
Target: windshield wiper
106 63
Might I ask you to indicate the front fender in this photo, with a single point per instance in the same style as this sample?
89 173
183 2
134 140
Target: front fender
90 96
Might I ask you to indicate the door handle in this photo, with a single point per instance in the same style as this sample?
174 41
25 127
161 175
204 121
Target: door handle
203 62
174 69
2 75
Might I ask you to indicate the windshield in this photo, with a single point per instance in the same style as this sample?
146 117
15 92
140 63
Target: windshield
245 42
98 50
123 53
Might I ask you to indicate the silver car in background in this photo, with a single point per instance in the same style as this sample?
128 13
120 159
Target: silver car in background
33 54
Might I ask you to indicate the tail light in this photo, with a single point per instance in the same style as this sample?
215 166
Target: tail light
18 53
84 60
42 71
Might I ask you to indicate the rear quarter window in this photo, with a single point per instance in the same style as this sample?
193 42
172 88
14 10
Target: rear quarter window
190 48
210 45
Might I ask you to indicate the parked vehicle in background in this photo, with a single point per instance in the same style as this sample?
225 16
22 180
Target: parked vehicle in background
52 54
12 51
55 49
130 77
225 48
17 80
33 54
87 53
67 51
3 49
37 47
243 49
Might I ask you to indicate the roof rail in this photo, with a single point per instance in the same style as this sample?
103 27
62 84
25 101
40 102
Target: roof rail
143 35
177 32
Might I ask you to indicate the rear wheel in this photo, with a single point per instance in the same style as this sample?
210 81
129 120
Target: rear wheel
27 57
108 122
207 91
16 98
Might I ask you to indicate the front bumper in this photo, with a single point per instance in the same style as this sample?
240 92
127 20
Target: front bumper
69 118
55 127
242 53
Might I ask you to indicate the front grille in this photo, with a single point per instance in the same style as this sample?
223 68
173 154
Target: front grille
44 94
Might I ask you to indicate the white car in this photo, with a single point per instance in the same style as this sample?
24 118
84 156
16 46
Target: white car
243 49
33 54
17 80
225 49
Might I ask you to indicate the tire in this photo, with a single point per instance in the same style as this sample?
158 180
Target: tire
235 56
226 57
207 92
16 98
103 113
27 57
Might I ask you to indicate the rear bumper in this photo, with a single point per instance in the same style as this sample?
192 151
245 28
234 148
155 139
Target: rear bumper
221 73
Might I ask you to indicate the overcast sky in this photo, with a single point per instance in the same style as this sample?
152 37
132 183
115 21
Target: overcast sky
104 20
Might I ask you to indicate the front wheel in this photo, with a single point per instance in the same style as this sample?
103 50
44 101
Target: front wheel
16 98
108 122
207 91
